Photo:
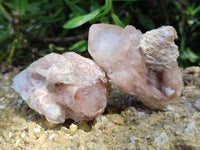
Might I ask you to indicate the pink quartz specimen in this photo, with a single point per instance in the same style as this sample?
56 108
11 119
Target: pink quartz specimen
142 65
63 86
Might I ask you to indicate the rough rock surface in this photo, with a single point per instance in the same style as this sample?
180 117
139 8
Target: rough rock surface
65 86
142 65
159 49
126 124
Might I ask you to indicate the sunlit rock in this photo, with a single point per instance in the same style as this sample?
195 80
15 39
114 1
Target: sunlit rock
63 86
142 65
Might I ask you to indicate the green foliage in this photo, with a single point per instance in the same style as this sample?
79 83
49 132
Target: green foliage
30 29
80 46
53 48
144 20
92 16
116 20
20 6
79 20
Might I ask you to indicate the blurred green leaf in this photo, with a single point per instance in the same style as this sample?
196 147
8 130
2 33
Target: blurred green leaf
1 1
190 55
34 8
182 40
145 21
94 5
104 19
94 15
176 3
5 13
191 10
52 47
20 5
4 36
117 20
80 46
78 21
127 0
75 9
52 18
196 10
106 8
3 55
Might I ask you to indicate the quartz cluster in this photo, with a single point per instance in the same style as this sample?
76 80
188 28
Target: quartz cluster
142 65
63 86
69 86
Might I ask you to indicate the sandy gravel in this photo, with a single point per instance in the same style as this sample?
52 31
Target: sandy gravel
126 123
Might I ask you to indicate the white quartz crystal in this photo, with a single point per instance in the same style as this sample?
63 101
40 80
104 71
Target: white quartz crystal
63 86
142 65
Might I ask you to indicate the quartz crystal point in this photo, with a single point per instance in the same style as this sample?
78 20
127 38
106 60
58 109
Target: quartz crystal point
63 86
142 65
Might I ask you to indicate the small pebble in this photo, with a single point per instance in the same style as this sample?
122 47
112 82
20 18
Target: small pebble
117 119
72 129
197 104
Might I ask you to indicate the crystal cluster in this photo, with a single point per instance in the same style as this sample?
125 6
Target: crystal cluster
71 86
63 86
142 65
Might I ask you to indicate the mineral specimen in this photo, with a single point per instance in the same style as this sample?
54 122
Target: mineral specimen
142 65
63 86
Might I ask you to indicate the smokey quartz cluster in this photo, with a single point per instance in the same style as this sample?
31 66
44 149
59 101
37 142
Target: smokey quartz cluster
142 65
63 86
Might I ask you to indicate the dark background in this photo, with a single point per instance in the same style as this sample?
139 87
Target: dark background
30 29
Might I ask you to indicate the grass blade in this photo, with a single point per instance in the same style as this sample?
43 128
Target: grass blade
78 21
